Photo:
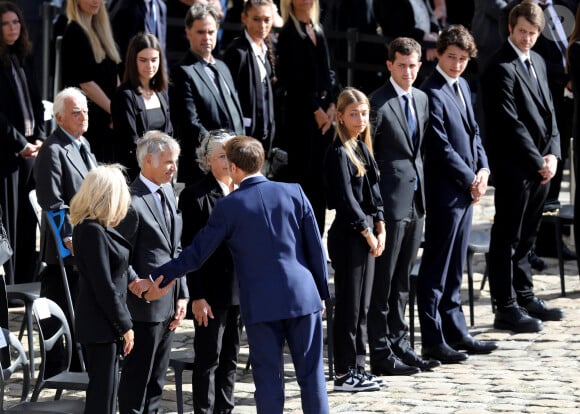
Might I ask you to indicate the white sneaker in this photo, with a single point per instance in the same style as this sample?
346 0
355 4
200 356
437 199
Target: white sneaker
353 382
370 377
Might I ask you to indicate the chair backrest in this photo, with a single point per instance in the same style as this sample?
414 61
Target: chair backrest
44 308
35 206
19 362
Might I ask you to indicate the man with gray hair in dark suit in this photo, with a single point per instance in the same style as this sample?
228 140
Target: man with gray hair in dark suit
153 227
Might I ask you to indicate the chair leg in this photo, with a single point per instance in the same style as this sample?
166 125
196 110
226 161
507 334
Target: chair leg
330 337
179 388
412 287
470 255
30 334
558 232
58 394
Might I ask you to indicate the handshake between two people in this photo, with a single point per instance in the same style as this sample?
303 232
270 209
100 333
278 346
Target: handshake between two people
149 289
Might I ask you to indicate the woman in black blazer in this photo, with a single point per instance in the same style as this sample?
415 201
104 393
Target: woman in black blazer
249 59
304 72
103 322
21 135
355 238
140 104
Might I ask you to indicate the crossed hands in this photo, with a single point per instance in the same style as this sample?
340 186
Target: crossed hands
479 185
324 119
549 169
31 150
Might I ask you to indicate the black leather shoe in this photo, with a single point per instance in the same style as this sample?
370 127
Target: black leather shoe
445 354
473 346
393 366
538 309
409 357
516 319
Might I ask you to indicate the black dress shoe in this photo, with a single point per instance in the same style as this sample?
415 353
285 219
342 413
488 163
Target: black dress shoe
445 354
393 366
516 319
538 309
473 346
409 357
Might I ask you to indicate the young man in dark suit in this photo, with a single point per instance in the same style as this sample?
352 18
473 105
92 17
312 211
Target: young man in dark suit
202 94
153 227
281 268
456 173
402 114
524 147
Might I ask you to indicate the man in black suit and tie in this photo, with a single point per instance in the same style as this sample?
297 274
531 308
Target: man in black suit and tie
60 168
202 93
153 227
402 114
524 147
456 173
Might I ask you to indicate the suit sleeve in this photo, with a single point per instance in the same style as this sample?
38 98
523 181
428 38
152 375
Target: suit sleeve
313 249
438 147
129 229
92 256
183 111
124 116
12 140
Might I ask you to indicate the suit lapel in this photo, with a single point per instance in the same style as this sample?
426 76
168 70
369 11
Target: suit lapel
199 68
395 105
526 78
151 203
73 154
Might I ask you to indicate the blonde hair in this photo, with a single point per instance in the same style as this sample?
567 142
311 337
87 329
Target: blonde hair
349 96
287 11
99 31
104 196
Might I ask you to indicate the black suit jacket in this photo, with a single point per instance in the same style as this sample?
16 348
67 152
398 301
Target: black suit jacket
102 256
399 160
215 280
59 172
396 19
144 227
197 107
245 71
520 124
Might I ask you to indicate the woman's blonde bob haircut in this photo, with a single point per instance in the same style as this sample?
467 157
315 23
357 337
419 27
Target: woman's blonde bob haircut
104 196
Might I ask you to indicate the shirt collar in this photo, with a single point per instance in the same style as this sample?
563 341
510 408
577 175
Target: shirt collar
258 50
150 184
76 141
448 78
521 55
258 174
399 90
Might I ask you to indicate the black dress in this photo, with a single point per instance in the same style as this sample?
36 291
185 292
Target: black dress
79 66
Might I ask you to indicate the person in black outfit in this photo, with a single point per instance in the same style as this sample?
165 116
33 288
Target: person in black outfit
304 73
141 103
21 135
213 288
89 62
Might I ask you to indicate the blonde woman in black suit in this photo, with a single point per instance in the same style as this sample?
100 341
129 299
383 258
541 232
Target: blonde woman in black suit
103 322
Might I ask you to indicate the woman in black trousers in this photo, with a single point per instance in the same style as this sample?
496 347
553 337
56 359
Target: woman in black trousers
141 103
355 238
103 322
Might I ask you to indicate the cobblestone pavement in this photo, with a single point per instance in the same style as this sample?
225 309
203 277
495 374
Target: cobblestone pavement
529 373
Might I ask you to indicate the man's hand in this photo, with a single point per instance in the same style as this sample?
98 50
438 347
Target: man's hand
129 338
137 287
201 311
29 151
69 245
155 292
479 186
180 310
549 169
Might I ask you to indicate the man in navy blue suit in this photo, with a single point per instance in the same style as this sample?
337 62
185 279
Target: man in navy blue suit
456 173
281 268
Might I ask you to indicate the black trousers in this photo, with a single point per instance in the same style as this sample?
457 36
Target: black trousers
216 347
353 283
144 369
519 203
103 369
387 325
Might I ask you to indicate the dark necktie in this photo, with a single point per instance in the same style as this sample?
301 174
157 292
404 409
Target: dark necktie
458 93
227 99
85 156
410 118
166 210
533 76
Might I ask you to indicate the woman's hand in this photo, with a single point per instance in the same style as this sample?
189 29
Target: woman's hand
129 341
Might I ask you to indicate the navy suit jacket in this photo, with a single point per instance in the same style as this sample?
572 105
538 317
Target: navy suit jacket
399 160
453 149
278 254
